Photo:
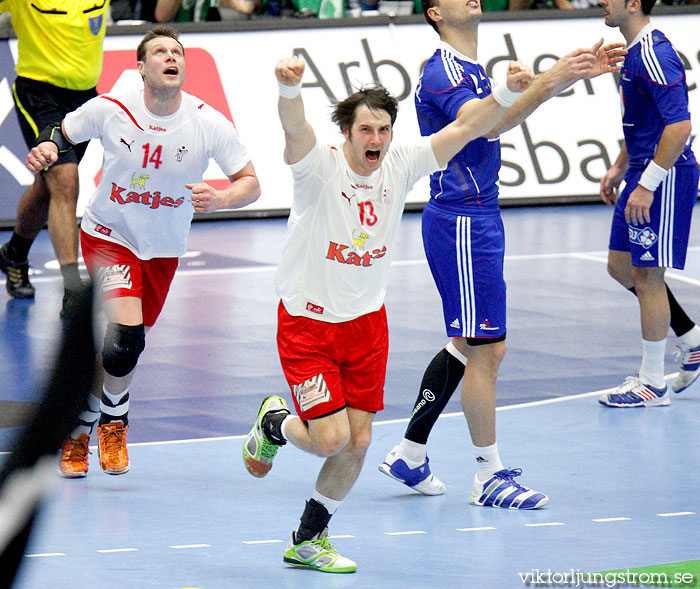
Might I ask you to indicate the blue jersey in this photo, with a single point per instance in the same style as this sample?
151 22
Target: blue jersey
469 183
654 94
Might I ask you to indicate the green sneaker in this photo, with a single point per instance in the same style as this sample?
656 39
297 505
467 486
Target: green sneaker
258 450
318 554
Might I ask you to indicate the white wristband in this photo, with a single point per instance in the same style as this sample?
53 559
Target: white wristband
289 91
504 96
652 176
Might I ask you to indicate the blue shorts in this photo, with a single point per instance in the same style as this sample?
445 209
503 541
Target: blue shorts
465 255
663 242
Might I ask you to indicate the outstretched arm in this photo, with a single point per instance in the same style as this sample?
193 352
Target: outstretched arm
477 116
299 136
577 65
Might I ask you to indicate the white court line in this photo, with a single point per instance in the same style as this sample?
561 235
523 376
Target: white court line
543 525
475 529
182 546
394 421
341 536
405 533
111 550
593 256
612 519
45 554
676 514
262 541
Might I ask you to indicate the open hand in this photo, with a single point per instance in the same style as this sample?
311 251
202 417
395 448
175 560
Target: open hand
608 58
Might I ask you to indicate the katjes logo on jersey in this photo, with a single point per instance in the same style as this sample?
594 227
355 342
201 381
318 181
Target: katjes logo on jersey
644 237
157 128
152 200
337 253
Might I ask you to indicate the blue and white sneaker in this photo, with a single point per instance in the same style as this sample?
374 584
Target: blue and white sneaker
634 393
501 490
416 476
690 367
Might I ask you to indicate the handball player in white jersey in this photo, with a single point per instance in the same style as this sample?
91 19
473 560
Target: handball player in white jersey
157 145
332 330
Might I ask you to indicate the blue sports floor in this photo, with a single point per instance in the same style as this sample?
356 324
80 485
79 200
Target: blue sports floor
623 483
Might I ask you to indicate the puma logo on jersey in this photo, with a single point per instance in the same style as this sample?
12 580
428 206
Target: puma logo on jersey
128 145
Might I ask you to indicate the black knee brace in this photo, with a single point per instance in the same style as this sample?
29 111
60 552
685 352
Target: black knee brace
122 347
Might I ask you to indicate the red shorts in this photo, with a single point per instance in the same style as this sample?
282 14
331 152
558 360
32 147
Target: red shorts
333 365
119 273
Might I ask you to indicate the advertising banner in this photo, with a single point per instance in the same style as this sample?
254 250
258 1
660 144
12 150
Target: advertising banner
560 151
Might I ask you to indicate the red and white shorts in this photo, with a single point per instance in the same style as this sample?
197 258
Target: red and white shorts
119 273
333 365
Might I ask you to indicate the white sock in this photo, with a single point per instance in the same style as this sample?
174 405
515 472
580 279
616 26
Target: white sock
115 406
651 371
283 426
452 349
413 451
692 337
487 461
87 417
330 504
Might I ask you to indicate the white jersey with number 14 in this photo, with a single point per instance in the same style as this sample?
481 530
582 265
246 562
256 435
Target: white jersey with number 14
141 201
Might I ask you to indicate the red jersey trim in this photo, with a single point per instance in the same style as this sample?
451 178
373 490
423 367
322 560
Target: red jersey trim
126 110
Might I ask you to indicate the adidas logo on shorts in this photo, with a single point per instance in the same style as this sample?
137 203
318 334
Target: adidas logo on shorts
647 257
455 324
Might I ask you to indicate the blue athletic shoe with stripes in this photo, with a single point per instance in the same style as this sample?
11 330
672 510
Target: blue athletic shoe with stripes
690 368
415 476
634 393
501 490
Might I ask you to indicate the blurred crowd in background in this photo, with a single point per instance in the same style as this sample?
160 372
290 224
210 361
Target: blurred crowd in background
138 11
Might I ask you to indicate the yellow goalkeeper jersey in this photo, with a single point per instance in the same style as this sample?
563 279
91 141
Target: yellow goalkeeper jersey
59 41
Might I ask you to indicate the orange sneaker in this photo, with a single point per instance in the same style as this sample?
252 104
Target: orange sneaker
73 462
111 447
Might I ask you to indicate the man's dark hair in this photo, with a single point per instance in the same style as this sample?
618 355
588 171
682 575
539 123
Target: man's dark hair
160 31
429 4
374 97
647 5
